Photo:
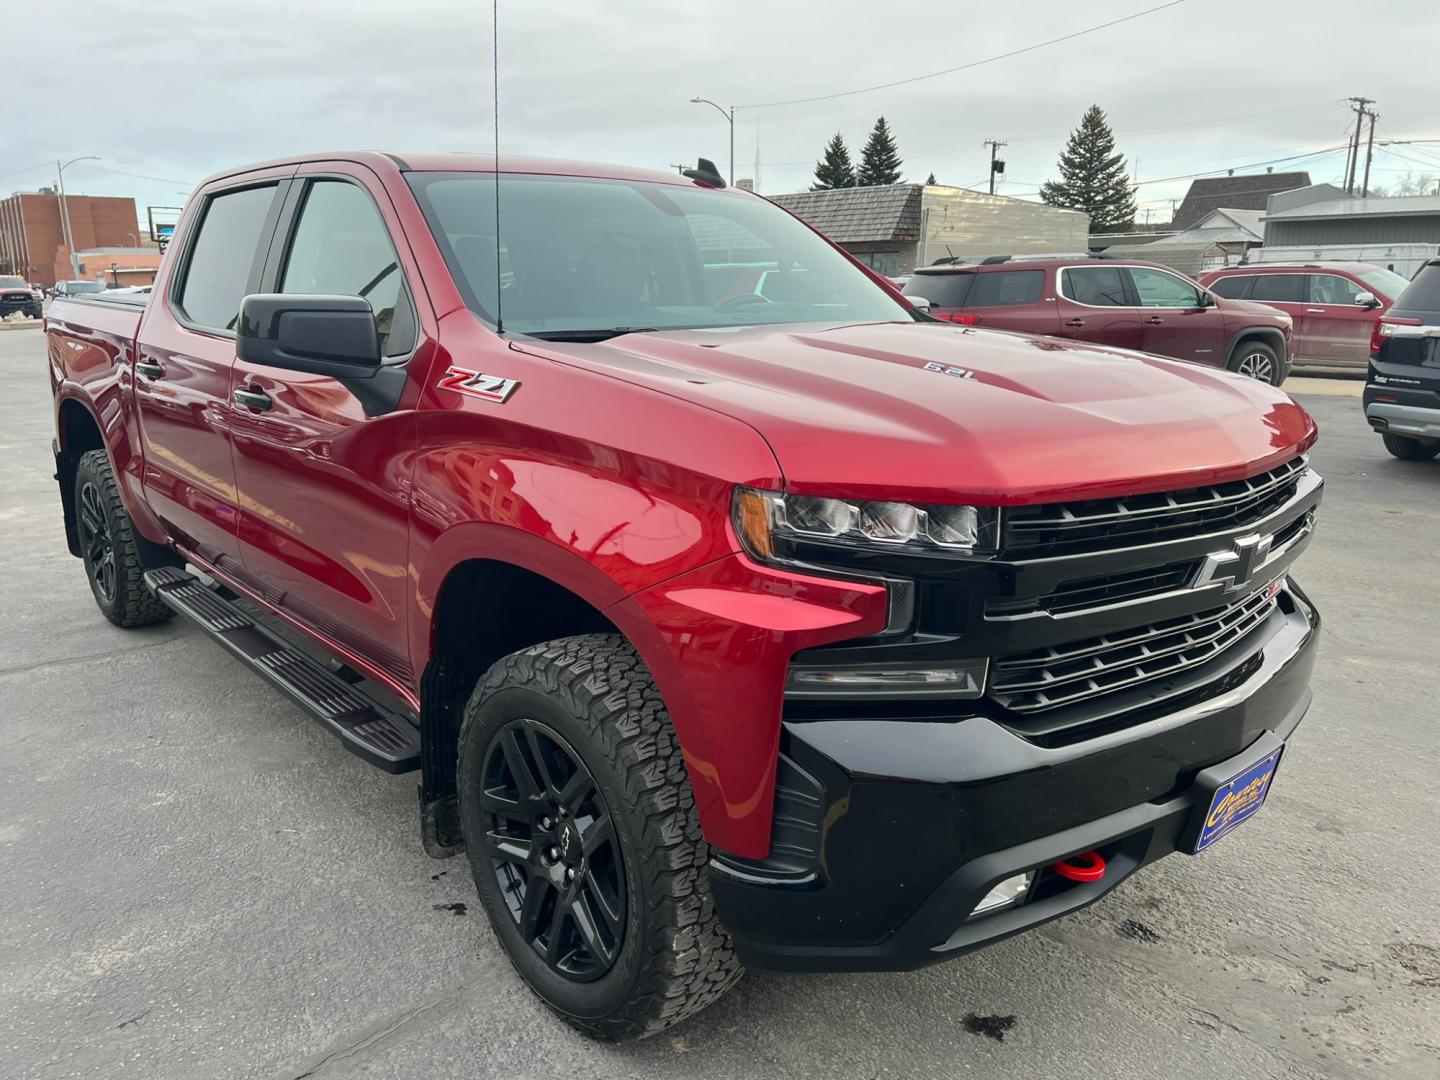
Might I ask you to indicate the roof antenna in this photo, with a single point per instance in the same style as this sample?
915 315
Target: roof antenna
495 78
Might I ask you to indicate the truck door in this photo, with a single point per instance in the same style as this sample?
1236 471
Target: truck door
182 367
1174 322
1095 305
323 487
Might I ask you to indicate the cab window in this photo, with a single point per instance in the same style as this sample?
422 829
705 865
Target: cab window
1279 288
340 247
222 257
1233 287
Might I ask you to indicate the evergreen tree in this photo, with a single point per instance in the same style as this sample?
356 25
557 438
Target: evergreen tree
835 171
1092 176
930 180
880 163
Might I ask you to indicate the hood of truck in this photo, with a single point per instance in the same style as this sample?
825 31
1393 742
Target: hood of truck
942 413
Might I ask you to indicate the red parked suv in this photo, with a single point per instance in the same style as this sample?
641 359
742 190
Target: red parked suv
1334 305
1134 305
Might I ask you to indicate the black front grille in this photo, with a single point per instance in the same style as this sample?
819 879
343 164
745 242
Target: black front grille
1060 675
1096 591
1101 524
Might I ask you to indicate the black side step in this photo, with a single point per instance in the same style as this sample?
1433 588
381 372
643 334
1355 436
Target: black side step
382 738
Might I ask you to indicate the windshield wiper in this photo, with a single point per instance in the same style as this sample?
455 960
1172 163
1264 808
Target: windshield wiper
589 335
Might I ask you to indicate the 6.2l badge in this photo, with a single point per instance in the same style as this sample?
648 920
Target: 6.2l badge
478 384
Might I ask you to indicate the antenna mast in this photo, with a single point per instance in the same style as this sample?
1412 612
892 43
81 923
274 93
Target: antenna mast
495 80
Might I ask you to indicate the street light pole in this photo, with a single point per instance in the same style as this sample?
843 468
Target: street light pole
729 115
65 212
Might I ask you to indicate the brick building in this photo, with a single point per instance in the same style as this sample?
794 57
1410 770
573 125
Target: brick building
32 239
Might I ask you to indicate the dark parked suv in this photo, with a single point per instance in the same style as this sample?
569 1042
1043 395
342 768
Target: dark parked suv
1402 389
1334 304
1134 305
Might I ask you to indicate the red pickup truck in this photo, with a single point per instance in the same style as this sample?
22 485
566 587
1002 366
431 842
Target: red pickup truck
796 630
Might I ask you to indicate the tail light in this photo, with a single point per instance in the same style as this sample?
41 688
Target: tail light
1384 327
961 317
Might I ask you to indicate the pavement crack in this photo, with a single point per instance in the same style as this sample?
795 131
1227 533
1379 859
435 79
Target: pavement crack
376 1034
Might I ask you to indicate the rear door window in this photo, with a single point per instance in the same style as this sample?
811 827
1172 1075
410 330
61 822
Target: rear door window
1234 287
1006 288
948 290
1279 288
222 256
1097 286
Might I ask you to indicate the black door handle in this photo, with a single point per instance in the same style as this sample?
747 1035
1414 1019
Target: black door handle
252 399
1154 320
149 370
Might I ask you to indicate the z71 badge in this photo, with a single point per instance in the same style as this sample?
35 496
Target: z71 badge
477 384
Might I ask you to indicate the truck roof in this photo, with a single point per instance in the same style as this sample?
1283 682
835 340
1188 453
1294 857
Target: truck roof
383 161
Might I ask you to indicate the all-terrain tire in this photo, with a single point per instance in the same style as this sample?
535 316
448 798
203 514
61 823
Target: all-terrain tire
1258 361
1408 449
109 549
675 958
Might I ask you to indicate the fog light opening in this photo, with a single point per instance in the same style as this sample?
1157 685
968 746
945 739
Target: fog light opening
1007 893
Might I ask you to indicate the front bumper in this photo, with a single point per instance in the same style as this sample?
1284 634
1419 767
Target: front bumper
889 831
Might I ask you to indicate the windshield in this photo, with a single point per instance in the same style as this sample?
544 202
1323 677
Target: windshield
581 254
13 283
1385 282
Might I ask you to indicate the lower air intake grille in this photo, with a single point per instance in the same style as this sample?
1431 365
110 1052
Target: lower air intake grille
1048 678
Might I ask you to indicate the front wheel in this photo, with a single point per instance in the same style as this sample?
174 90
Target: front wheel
582 836
1407 449
1258 361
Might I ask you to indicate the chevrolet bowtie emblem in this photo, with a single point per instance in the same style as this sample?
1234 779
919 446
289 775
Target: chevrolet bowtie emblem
1235 567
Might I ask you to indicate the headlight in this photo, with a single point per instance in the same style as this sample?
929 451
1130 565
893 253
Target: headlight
772 525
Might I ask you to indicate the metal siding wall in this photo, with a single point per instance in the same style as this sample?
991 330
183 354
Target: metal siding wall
1319 232
970 223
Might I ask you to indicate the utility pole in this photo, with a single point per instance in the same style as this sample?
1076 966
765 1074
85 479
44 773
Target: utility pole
1369 153
996 165
1353 160
60 167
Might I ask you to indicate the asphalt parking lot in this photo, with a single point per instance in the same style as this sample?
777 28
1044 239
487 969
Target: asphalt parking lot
197 881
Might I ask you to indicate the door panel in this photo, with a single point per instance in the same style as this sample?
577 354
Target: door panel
1095 305
324 492
1174 323
1287 293
1337 328
182 370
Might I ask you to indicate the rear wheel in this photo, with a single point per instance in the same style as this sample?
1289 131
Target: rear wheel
1408 449
1258 361
583 839
109 547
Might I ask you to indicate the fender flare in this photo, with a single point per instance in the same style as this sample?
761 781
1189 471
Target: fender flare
1272 335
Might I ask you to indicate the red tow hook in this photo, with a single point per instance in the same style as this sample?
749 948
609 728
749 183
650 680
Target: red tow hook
1087 866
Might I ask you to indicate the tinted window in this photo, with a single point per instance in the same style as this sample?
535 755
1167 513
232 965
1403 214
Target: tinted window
222 255
1332 289
1282 288
342 248
1159 289
589 254
1098 286
947 290
12 283
1004 288
1234 287
1423 292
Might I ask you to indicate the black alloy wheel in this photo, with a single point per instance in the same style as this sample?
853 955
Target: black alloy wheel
96 543
553 847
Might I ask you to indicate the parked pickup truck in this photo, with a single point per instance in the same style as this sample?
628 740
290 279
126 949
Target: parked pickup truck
795 630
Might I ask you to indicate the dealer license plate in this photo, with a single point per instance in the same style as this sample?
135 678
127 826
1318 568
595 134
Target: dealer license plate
1237 799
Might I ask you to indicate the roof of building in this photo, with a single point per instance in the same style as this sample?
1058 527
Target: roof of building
859 215
1247 192
1372 207
1250 220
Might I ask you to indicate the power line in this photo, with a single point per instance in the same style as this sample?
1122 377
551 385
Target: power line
965 67
137 176
32 168
1232 168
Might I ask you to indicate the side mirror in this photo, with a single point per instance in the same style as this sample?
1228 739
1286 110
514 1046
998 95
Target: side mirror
1206 300
1367 300
322 335
919 303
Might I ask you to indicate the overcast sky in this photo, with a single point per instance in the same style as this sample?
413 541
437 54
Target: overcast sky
176 89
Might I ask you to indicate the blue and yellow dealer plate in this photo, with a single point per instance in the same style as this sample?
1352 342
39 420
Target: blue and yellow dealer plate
1237 799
